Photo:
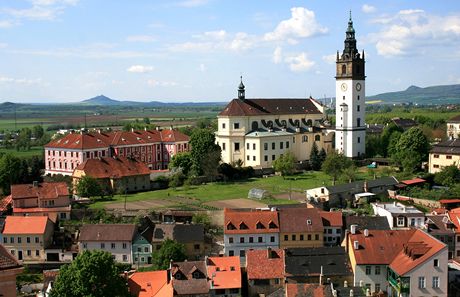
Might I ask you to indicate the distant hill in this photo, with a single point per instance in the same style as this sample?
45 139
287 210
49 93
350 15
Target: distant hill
445 94
102 100
9 106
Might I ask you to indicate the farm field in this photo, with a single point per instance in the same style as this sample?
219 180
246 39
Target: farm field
206 196
34 151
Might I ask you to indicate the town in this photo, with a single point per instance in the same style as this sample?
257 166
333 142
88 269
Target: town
270 197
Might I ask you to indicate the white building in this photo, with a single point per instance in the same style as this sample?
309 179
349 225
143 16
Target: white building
400 216
350 98
453 127
116 239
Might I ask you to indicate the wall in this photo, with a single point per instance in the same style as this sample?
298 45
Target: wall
8 282
118 251
437 163
301 243
236 246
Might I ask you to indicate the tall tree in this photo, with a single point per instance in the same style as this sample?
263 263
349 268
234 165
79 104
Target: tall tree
9 172
335 164
91 274
315 161
88 187
182 161
411 150
285 164
169 250
203 143
385 138
448 176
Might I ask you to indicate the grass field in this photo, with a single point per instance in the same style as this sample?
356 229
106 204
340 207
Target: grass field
196 196
34 151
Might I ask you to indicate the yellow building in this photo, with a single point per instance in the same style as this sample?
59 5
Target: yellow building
258 131
300 227
444 154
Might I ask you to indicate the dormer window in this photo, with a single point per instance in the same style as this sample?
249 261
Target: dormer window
196 274
243 226
178 275
272 226
230 226
232 268
259 225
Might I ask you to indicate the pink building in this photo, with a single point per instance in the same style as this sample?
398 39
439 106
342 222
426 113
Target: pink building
152 147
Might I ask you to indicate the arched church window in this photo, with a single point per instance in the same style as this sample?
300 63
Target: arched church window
305 138
309 123
255 125
317 138
344 69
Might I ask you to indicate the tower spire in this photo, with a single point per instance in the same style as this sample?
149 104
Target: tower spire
241 91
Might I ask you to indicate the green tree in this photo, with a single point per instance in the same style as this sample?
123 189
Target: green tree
182 161
38 132
448 176
322 155
202 218
315 160
385 138
335 164
203 144
91 274
169 250
9 172
88 187
411 150
285 164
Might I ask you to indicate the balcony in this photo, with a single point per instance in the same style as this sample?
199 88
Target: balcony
400 284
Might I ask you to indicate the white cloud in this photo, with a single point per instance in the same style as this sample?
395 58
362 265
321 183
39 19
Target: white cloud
6 24
140 38
192 3
156 83
53 2
43 10
218 35
21 81
302 24
330 59
414 31
366 8
299 62
278 55
140 69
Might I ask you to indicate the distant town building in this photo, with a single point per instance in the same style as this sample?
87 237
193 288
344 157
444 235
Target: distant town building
155 148
453 127
400 216
404 124
444 154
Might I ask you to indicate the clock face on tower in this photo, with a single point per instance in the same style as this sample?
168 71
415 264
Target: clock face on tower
343 87
358 87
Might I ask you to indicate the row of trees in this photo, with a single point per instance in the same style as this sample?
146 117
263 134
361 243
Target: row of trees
14 170
26 138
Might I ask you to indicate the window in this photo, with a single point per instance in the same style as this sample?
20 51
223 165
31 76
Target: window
273 145
316 236
358 97
301 236
435 166
287 144
124 245
37 253
317 138
436 156
359 139
5 240
272 238
273 158
435 281
377 287
293 237
305 138
344 69
19 240
260 239
253 146
85 246
11 239
421 282
358 122
241 239
400 221
230 240
357 108
112 246
448 157
223 146
266 158
242 253
223 125
368 270
125 258
436 262
102 245
251 239
237 146
231 253
286 237
37 240
247 146
248 157
281 145
236 125
29 253
253 158
377 270
265 146
146 249
309 237
196 246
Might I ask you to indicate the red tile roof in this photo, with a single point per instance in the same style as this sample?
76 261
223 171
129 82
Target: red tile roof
253 221
83 140
265 264
332 218
4 202
455 119
173 136
41 191
224 272
448 201
311 290
300 219
113 167
279 106
403 250
413 181
150 284
26 225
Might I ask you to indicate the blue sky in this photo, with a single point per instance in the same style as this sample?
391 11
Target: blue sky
196 50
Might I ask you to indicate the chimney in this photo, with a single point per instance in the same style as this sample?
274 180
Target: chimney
356 245
269 252
351 293
345 284
366 186
157 128
347 235
361 283
132 129
366 232
145 128
353 229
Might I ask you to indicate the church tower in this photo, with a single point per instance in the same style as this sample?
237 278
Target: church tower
350 98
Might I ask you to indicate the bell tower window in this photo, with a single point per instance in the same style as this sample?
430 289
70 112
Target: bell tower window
344 69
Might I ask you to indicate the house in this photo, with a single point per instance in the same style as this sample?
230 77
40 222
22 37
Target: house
190 278
142 248
116 239
404 124
338 195
190 235
454 216
375 129
250 229
399 216
9 269
258 131
444 154
265 271
399 262
224 274
367 222
41 199
150 284
115 174
300 290
333 227
317 265
453 127
443 229
155 148
300 227
26 238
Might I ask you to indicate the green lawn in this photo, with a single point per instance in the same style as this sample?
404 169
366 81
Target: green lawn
34 151
196 195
